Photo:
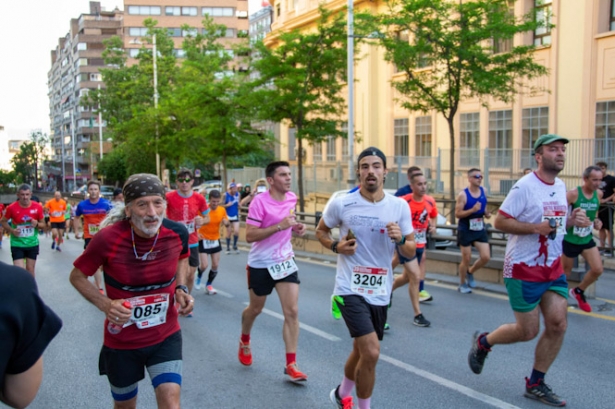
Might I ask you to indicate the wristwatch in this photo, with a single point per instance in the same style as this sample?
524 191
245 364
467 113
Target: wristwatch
182 287
334 246
402 241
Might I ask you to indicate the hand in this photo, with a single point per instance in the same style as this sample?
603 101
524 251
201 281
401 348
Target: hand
394 232
117 313
299 229
544 229
476 207
16 231
579 218
198 221
431 229
347 247
597 224
34 223
185 301
288 221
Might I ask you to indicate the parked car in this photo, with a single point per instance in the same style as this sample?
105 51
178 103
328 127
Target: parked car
441 244
106 191
209 185
81 193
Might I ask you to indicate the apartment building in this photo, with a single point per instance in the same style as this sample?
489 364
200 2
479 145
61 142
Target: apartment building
173 14
579 102
76 132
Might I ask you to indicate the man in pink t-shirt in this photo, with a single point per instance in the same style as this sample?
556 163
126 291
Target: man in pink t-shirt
269 226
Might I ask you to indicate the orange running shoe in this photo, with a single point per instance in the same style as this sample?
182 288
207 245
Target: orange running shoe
245 354
294 374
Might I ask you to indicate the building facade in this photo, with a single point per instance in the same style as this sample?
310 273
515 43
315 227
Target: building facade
76 132
579 101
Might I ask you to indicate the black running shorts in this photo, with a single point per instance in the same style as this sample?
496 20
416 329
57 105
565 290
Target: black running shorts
193 261
60 225
465 238
209 250
19 253
260 281
361 317
572 250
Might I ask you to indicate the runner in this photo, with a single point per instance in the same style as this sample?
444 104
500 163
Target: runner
57 208
93 210
606 209
379 223
534 215
47 226
260 187
118 196
424 215
209 241
406 190
231 204
2 209
21 219
471 209
271 264
579 240
145 259
68 217
189 208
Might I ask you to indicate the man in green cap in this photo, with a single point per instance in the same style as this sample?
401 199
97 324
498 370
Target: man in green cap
534 214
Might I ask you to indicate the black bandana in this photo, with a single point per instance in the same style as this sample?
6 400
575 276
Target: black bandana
141 185
371 151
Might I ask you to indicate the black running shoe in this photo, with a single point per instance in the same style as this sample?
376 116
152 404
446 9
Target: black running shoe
420 321
542 393
478 353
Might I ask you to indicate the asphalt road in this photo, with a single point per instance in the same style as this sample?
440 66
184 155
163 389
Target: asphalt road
418 368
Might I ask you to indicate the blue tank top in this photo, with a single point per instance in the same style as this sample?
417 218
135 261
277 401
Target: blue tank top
464 223
232 210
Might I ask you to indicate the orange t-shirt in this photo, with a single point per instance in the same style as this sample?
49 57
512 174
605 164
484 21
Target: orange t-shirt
211 230
57 208
421 212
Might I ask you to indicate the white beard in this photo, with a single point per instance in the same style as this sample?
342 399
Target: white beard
140 224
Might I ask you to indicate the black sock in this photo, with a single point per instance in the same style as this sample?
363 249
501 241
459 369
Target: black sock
199 272
578 290
482 340
536 376
212 276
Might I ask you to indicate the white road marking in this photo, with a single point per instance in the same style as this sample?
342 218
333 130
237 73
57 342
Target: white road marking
303 326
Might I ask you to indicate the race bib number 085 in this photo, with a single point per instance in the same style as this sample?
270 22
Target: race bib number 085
149 310
369 280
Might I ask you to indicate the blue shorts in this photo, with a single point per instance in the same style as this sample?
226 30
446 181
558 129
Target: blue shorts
418 255
524 296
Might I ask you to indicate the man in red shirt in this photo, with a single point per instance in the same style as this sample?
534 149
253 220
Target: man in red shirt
190 209
144 258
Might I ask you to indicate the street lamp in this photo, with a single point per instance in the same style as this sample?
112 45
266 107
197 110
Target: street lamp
350 82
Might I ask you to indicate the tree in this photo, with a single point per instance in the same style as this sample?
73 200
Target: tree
113 166
455 42
300 82
29 158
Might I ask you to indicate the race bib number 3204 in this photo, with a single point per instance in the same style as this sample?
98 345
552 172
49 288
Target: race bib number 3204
369 280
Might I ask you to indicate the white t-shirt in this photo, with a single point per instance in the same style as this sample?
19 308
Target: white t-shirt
533 257
265 211
368 272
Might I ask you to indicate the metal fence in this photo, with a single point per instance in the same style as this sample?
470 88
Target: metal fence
501 168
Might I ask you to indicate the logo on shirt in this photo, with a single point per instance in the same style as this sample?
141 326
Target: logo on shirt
552 194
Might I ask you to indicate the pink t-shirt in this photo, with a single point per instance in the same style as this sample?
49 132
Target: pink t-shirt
265 211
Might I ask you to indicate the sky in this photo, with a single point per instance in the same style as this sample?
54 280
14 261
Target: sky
29 31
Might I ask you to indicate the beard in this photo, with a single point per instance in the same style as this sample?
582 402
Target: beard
139 223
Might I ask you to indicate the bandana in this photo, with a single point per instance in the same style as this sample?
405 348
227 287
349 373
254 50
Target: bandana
375 152
141 185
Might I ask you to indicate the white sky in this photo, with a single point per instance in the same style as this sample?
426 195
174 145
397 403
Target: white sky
29 31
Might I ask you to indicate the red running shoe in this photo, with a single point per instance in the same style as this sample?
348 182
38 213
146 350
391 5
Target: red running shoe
580 299
245 354
294 374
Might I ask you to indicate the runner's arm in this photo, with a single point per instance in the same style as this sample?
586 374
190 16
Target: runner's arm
344 246
6 225
513 226
184 299
111 308
459 205
19 390
254 233
77 225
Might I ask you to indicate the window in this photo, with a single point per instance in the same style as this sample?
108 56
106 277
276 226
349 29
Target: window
423 136
172 11
504 45
137 31
242 14
133 52
292 142
191 32
401 36
612 20
317 152
218 11
175 32
82 61
469 139
278 10
82 46
179 53
500 138
544 12
95 77
229 33
144 10
331 151
535 122
189 11
400 136
345 142
605 132
242 33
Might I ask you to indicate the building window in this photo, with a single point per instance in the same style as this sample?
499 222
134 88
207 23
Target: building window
218 11
504 45
345 142
179 53
133 52
612 22
144 10
191 32
175 32
423 136
500 138
242 14
605 132
292 143
317 152
172 11
95 77
137 31
278 10
535 122
404 37
544 13
469 139
189 11
229 33
331 151
400 137
82 46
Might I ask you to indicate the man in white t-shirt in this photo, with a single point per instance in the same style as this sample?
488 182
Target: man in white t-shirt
379 223
269 227
534 215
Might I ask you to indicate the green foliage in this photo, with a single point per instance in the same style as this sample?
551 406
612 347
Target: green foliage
113 166
28 160
452 43
301 80
7 178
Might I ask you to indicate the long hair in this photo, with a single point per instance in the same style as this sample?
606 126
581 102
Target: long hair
116 214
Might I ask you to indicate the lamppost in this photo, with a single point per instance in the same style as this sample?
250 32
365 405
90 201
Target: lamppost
350 84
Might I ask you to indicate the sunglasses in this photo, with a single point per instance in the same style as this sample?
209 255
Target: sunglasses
184 180
478 176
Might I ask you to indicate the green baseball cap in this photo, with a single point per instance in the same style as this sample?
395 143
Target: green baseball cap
548 139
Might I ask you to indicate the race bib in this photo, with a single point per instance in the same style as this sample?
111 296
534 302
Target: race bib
210 244
280 270
582 231
477 224
26 231
190 226
420 236
561 223
93 228
149 310
369 280
56 214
